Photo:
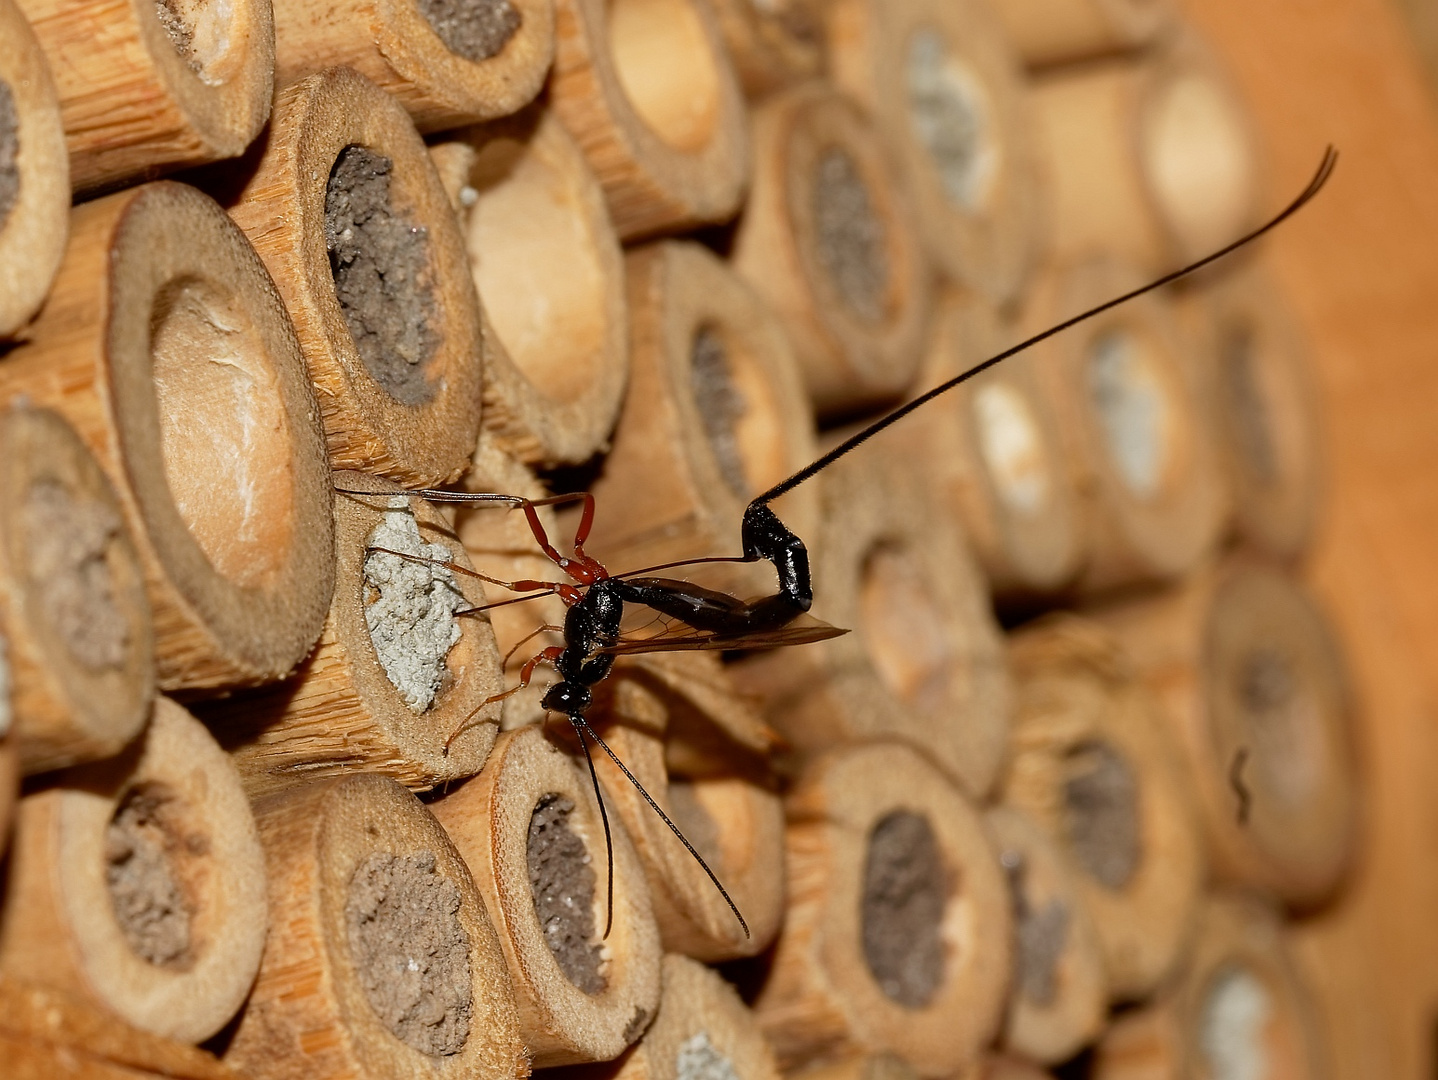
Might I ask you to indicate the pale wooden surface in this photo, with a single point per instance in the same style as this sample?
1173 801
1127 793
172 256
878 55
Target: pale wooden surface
1361 270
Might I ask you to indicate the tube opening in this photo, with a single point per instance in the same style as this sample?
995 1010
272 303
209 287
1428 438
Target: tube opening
667 69
737 409
699 1059
151 874
1133 408
383 279
9 152
850 237
1247 400
905 632
1233 1026
952 118
1283 722
562 880
474 29
1101 813
902 908
205 33
225 437
536 262
1011 445
410 950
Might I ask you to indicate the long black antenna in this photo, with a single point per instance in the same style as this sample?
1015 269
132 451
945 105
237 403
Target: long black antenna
1325 169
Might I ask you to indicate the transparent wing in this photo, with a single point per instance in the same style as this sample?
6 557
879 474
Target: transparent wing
674 635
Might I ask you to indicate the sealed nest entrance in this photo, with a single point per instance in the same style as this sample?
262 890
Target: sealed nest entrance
1041 934
906 635
1101 813
9 152
699 1059
202 32
1133 410
1233 1026
1248 404
696 823
902 909
1283 723
561 878
951 116
149 869
475 29
850 238
381 267
69 540
1011 444
721 405
666 66
410 950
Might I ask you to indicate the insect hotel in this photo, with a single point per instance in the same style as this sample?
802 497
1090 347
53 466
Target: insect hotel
508 562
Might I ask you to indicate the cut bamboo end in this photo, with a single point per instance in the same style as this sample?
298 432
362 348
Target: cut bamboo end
1240 1009
350 216
46 1033
897 936
702 1029
1136 424
400 669
714 414
79 649
1058 1001
995 450
530 830
1153 158
1046 32
1266 408
166 346
547 265
1249 669
381 959
858 1066
925 662
447 64
146 88
1004 1067
34 174
828 240
730 816
942 82
1092 763
648 93
139 884
774 44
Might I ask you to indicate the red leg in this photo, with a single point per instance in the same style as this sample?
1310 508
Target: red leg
550 655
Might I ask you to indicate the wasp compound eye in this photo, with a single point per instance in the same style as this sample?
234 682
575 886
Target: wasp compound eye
567 698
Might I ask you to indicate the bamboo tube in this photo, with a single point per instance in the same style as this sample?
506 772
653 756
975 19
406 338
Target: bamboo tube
1047 32
1092 763
398 671
1151 157
9 772
828 240
164 343
146 88
1058 1001
773 44
858 1066
1136 424
446 63
897 936
925 662
546 260
993 448
942 82
45 1033
1253 681
347 211
1266 408
138 884
648 93
714 414
530 831
729 813
381 959
34 174
702 1029
1003 1067
79 649
1239 1010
